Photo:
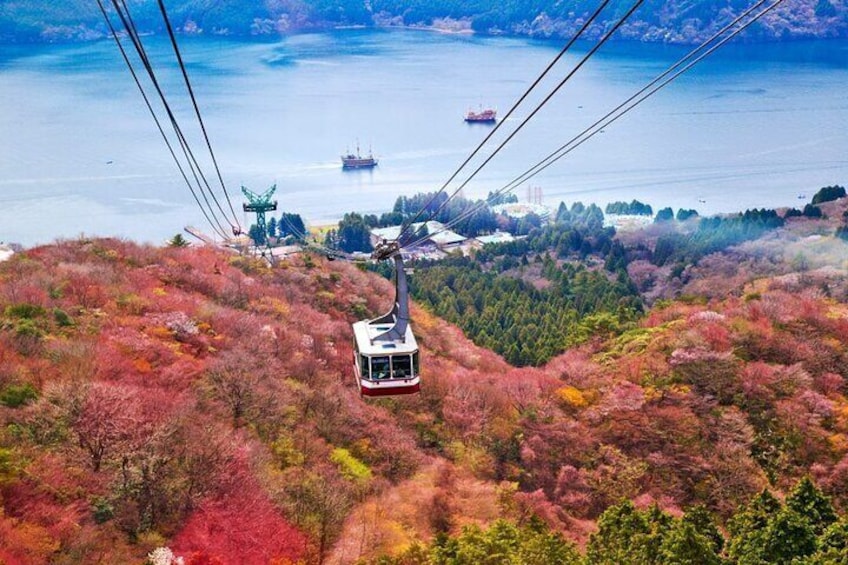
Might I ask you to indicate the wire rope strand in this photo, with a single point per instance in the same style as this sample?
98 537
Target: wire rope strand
147 103
193 165
532 114
509 113
506 189
576 139
197 110
197 170
565 149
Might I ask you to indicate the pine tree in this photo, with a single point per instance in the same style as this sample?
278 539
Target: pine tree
647 547
748 528
178 241
664 215
618 526
257 235
684 544
788 536
808 501
833 545
703 522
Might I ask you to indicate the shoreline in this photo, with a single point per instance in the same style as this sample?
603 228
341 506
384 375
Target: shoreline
80 32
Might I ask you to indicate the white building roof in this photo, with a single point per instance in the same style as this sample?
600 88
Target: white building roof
440 236
521 209
497 237
390 233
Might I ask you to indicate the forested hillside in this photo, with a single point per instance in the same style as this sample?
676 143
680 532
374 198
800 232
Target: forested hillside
153 398
657 20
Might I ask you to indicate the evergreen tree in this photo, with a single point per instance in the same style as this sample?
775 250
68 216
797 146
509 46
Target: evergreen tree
422 232
257 235
811 211
832 545
808 501
828 193
613 543
664 215
748 528
703 522
178 241
331 239
684 544
647 547
353 234
272 227
540 546
563 215
503 542
634 208
683 215
787 537
291 224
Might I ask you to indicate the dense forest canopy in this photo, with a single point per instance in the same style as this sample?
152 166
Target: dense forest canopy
657 20
804 528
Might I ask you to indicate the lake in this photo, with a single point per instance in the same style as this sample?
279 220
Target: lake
752 126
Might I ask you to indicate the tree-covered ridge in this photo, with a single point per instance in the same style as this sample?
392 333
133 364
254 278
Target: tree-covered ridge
528 326
569 278
717 256
713 234
533 298
468 217
151 397
656 20
804 529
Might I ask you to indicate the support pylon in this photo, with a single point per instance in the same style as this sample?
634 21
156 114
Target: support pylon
259 204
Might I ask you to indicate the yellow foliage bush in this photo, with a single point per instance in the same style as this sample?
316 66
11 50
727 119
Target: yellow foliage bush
474 458
273 306
571 397
680 389
132 304
361 448
351 467
286 453
838 442
161 332
325 296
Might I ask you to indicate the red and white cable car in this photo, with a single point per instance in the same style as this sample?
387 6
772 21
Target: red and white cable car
385 351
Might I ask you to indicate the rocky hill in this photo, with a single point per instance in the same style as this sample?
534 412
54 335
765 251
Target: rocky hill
657 20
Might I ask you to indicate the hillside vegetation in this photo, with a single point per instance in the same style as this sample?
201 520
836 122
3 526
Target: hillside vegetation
673 21
154 398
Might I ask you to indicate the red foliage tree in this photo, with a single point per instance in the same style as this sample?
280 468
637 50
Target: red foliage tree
239 527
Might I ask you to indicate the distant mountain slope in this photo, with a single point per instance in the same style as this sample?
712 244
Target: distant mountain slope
676 21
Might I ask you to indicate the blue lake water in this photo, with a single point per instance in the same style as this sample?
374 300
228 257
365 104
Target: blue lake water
751 126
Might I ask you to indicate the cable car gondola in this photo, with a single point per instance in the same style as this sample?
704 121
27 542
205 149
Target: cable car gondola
385 351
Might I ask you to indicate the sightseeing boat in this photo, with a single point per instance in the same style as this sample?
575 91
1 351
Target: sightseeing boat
358 161
485 116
